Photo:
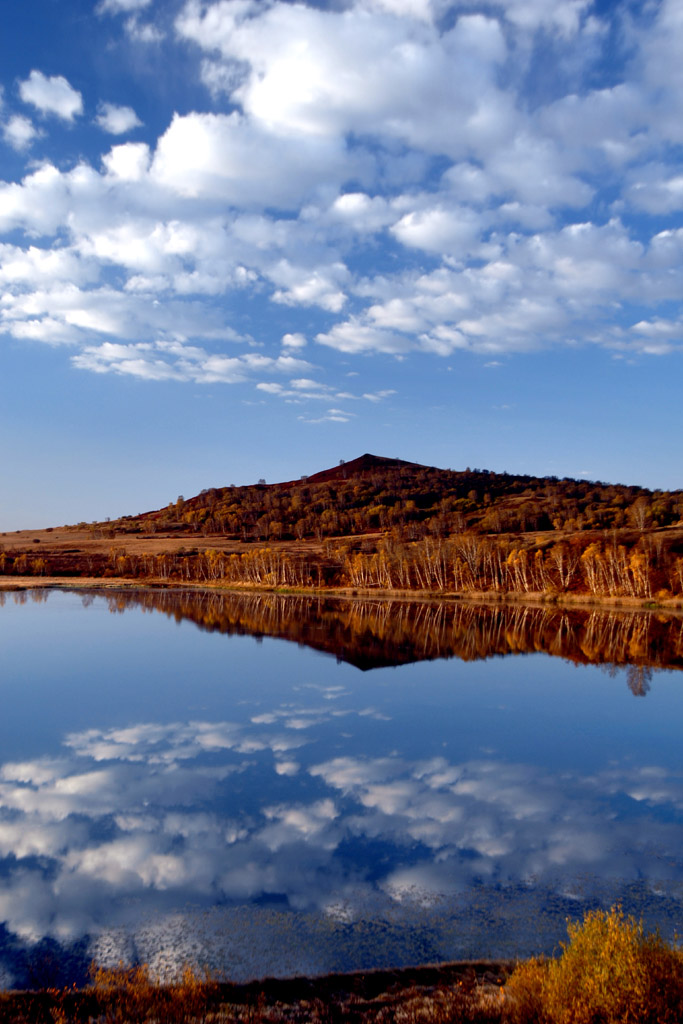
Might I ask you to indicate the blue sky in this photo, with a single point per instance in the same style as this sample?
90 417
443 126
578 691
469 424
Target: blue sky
249 238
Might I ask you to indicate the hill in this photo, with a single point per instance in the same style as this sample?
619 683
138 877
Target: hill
372 493
387 524
356 467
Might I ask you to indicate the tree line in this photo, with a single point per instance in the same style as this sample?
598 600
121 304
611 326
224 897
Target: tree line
465 563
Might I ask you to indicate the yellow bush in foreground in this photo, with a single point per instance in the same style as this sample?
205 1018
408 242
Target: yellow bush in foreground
610 972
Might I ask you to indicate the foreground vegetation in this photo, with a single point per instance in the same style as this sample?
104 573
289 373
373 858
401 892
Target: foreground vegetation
610 971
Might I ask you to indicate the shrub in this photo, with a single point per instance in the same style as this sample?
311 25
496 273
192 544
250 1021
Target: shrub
610 972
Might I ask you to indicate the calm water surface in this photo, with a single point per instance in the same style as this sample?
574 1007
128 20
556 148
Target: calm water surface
178 794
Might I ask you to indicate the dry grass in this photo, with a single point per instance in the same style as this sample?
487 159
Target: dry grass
130 996
91 540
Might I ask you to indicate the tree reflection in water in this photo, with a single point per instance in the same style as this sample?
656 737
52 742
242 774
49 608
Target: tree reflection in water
378 633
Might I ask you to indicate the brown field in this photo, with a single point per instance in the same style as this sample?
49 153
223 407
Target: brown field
76 540
74 551
98 539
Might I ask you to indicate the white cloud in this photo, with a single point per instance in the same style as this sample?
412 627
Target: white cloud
362 213
294 341
20 132
84 312
331 416
137 30
302 287
535 171
325 73
51 95
353 336
39 267
305 389
385 167
143 32
230 158
122 6
453 232
377 396
128 162
405 8
117 120
177 361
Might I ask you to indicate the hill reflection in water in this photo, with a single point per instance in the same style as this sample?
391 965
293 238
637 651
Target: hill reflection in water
380 633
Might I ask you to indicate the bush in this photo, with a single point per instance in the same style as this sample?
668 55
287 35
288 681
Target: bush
610 972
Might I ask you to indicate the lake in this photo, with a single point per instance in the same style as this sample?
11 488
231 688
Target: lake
272 785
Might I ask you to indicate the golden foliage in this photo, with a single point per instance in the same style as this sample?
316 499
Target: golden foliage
610 972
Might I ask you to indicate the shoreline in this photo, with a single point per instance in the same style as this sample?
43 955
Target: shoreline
476 986
575 601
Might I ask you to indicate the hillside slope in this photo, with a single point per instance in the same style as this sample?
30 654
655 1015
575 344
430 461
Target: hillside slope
372 493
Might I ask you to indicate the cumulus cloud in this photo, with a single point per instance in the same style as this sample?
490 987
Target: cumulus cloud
437 230
229 157
105 312
41 267
295 340
20 132
117 120
389 166
354 336
320 287
360 71
51 95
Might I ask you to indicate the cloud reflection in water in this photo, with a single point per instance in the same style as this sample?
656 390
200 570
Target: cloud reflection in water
135 832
